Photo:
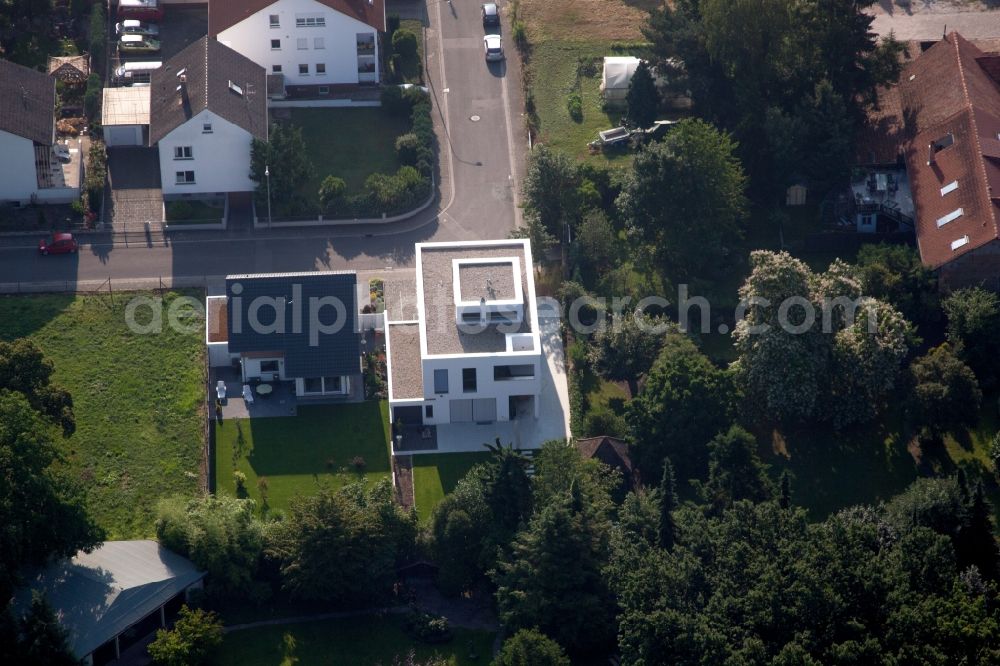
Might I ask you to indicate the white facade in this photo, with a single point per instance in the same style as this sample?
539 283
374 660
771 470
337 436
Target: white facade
18 180
309 43
206 155
490 400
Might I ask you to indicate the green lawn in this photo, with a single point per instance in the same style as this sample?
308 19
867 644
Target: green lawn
436 474
553 70
297 453
194 211
356 641
137 399
348 143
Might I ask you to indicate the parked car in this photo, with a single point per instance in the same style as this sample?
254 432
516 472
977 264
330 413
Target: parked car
135 73
142 10
138 44
58 243
61 151
491 15
134 27
493 47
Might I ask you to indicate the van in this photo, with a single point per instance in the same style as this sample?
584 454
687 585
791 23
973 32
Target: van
142 10
136 73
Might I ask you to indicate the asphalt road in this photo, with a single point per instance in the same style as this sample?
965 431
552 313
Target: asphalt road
477 191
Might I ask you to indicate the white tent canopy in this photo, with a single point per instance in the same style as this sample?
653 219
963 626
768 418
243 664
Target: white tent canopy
618 71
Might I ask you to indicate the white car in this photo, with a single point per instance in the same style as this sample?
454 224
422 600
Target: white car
493 47
134 27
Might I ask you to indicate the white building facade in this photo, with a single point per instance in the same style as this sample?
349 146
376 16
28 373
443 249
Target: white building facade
472 364
310 43
18 180
206 155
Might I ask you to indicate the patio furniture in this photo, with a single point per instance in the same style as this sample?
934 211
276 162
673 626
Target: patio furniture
220 390
247 394
264 390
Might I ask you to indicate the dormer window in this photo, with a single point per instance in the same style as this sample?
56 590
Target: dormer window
944 142
959 242
950 187
950 217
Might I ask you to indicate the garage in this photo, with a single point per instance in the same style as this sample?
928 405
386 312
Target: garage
125 116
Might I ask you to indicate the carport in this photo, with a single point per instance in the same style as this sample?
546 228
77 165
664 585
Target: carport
125 116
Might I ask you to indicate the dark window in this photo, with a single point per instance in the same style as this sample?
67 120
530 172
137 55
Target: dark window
275 44
313 384
505 372
469 380
185 177
268 366
303 69
440 381
275 21
428 411
276 69
321 68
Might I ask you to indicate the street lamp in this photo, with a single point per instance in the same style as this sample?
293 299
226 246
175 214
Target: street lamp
267 176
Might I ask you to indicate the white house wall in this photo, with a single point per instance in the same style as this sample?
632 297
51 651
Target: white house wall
18 180
486 386
252 37
220 159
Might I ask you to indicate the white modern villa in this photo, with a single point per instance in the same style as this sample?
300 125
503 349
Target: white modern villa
477 363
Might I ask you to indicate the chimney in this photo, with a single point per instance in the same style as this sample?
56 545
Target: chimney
482 311
930 153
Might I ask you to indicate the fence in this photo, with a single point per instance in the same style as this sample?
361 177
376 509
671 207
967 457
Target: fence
109 285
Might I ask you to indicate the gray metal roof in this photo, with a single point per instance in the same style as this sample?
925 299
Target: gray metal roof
257 299
98 595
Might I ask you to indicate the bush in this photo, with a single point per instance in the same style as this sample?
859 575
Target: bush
404 45
193 639
331 193
92 97
575 107
427 628
520 35
407 147
393 100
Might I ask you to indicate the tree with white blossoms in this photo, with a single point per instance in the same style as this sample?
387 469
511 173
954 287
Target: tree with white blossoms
802 357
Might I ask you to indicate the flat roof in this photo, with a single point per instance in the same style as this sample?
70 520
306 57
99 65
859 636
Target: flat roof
217 324
127 105
436 275
494 281
406 381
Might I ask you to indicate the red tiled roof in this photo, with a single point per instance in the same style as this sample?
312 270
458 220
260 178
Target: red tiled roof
946 91
611 451
223 14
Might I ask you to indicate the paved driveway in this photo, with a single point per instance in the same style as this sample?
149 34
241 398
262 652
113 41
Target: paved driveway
136 197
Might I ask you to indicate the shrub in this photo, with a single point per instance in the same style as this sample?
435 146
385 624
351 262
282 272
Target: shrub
427 628
404 45
575 107
358 463
240 480
194 637
92 97
407 147
331 193
393 100
520 35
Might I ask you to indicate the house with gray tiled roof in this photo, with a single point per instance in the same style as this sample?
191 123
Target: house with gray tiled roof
30 169
294 329
206 106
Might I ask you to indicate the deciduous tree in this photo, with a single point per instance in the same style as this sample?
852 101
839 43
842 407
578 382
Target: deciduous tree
946 395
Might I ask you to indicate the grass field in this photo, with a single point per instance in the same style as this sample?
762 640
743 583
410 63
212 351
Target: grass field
563 35
137 399
297 453
348 143
356 641
436 474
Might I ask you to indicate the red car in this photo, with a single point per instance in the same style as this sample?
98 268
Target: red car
58 244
